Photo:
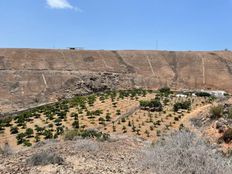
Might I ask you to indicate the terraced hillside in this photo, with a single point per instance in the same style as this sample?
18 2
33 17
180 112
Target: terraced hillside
30 77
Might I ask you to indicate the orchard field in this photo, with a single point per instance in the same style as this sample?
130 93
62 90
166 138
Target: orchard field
143 113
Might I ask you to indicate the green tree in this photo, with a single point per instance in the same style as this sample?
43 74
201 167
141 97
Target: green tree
20 138
108 118
37 138
118 112
14 130
48 134
29 132
75 124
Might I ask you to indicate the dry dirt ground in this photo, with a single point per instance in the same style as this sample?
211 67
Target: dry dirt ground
120 155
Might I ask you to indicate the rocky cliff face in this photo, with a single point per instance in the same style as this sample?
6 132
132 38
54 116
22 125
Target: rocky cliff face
34 76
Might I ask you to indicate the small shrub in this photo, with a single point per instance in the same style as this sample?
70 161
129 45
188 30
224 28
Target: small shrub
20 138
58 122
101 120
6 150
181 127
59 130
48 134
73 114
6 122
114 128
133 128
39 130
124 129
29 132
166 101
14 130
37 138
138 132
27 143
147 133
85 134
86 145
182 105
108 118
227 136
76 124
230 113
71 134
118 112
50 125
165 91
92 133
216 111
44 158
158 133
153 105
97 112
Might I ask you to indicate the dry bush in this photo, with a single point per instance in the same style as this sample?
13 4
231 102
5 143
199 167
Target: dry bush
44 158
6 150
86 145
216 111
45 142
230 113
86 134
71 134
184 153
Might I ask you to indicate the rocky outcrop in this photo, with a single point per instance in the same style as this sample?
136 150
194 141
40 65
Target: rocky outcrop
34 76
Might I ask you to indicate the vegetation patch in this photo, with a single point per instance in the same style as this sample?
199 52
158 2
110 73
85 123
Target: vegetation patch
216 112
6 150
184 152
85 134
45 158
186 105
153 105
227 136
